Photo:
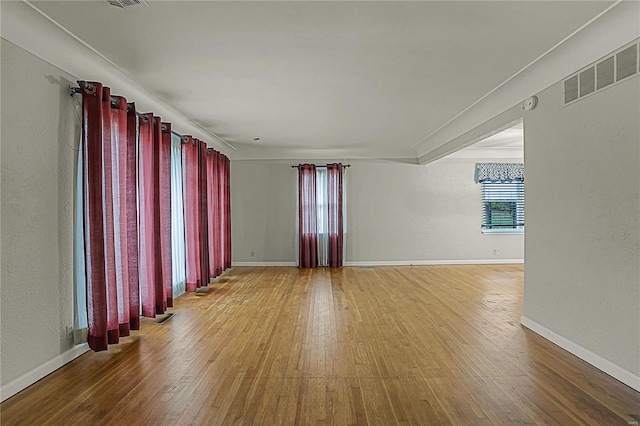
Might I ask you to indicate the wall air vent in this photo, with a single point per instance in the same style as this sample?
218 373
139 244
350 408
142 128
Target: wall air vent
571 89
627 62
609 70
605 71
587 81
126 3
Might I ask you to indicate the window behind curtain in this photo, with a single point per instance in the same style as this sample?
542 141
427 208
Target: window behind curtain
177 219
79 275
322 216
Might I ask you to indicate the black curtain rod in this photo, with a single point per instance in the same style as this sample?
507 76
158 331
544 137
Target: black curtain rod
77 90
322 167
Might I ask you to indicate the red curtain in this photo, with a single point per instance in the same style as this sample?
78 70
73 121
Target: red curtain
219 212
202 203
203 216
127 214
147 241
108 210
335 214
215 266
227 211
158 298
132 216
190 193
207 207
307 232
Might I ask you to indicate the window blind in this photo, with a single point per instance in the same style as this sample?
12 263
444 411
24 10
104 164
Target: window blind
503 205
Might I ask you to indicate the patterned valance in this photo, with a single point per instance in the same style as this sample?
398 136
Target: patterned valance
499 172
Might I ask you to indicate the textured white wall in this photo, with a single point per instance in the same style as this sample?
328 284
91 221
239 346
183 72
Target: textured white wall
263 211
396 212
402 212
39 131
582 270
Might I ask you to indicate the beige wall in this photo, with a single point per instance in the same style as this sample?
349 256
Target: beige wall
582 271
263 211
396 213
39 134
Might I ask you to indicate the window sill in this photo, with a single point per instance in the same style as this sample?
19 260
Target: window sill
517 231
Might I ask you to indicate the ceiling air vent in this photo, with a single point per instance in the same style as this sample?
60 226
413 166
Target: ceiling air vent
606 72
126 3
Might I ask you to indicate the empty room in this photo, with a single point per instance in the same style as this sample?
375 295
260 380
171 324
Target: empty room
320 212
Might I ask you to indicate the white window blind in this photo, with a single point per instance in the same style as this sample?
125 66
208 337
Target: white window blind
503 206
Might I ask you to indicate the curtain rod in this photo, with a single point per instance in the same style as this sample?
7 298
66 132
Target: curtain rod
78 91
323 167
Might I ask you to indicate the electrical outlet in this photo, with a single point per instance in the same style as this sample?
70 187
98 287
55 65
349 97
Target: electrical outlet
69 332
253 253
494 252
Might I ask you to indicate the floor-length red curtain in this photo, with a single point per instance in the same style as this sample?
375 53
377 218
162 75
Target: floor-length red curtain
164 178
107 214
147 219
132 216
335 214
154 186
204 214
160 298
227 210
196 213
219 212
215 266
307 229
94 231
220 217
190 193
127 214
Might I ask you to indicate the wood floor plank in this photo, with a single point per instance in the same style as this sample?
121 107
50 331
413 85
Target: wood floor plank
424 345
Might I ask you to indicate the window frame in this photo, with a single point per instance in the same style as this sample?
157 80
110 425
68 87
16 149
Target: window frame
491 193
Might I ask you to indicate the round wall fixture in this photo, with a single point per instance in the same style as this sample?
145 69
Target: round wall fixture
530 103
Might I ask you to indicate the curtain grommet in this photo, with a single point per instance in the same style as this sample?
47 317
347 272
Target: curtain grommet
88 88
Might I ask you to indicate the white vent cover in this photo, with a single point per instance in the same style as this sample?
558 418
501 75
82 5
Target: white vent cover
616 67
627 62
571 89
587 81
126 3
605 71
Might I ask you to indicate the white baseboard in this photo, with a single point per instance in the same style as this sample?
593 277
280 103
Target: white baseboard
615 371
432 262
397 262
29 378
263 264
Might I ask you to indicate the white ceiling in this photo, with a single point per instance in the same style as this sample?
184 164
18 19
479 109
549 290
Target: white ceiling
513 138
504 144
355 79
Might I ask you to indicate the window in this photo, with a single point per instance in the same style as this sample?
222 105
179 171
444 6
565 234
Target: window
320 220
502 197
503 207
323 228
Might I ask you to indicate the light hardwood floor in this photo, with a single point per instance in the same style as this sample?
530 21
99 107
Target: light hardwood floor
386 345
